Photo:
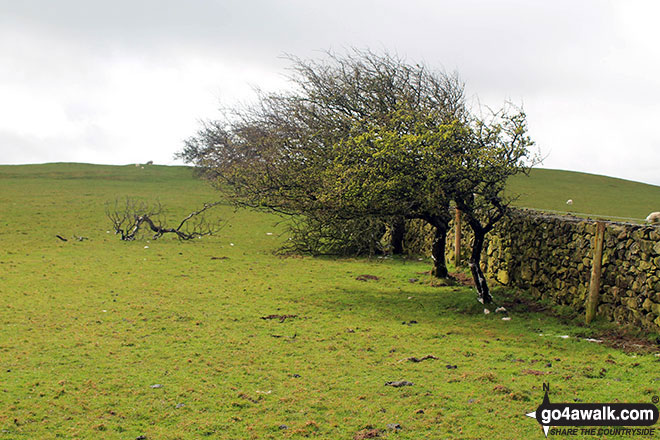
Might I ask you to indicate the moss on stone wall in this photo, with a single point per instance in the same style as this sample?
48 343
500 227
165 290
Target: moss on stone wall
551 257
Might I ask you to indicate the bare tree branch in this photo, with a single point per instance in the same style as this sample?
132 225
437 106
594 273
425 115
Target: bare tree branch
131 216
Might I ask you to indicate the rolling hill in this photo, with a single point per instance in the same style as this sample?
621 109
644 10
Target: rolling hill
223 338
543 189
595 195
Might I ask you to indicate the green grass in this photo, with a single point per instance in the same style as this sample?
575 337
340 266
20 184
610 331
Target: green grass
598 196
86 329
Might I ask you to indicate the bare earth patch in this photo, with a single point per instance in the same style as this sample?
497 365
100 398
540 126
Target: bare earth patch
367 278
462 278
281 318
620 338
367 433
623 340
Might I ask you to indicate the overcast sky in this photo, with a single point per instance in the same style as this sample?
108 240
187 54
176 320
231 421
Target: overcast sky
123 81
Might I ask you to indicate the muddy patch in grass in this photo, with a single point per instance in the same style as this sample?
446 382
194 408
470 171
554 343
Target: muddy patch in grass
367 277
521 304
626 341
367 433
462 279
535 372
621 338
281 318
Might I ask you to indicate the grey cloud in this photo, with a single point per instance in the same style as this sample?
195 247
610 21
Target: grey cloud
565 60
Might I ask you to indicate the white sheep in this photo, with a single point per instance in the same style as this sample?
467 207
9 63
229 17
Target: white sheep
569 201
653 217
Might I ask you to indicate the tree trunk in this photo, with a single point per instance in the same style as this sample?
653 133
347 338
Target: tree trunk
438 251
475 267
398 232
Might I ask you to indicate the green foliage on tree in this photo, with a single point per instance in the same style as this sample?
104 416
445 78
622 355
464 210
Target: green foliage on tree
366 139
499 147
403 168
292 152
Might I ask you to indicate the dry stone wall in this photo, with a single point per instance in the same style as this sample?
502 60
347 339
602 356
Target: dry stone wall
551 257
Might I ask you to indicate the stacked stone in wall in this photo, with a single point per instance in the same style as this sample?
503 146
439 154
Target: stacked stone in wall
418 238
551 257
631 284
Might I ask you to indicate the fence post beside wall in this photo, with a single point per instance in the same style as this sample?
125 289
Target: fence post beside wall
457 238
594 283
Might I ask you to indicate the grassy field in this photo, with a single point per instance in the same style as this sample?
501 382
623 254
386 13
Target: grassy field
166 339
600 196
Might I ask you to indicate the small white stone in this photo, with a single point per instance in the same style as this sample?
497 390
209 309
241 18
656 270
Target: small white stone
269 233
146 247
231 244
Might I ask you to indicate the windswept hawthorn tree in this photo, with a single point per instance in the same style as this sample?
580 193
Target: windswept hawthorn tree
291 153
405 167
367 136
497 148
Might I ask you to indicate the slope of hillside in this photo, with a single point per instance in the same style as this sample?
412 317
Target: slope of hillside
591 194
222 338
543 189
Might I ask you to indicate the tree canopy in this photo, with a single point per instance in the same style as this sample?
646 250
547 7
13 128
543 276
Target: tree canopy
367 136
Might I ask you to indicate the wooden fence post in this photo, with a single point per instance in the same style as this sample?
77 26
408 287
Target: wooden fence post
594 284
457 238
